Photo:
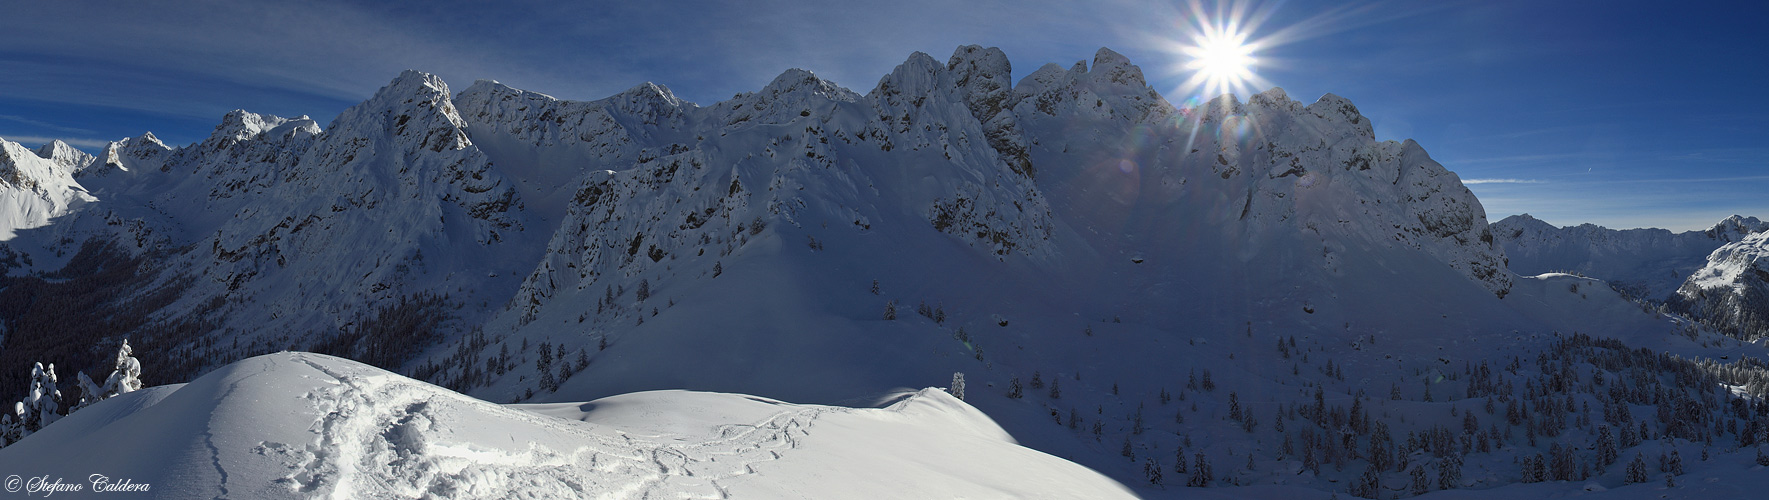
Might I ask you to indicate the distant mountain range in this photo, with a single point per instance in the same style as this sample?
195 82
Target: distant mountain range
1718 274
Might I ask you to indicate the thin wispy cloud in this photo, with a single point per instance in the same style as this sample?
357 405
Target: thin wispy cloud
30 140
44 124
1502 181
1685 180
1516 159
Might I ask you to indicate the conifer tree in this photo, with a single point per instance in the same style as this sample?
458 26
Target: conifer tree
1449 472
1234 406
1309 461
1420 483
42 406
1380 456
125 374
1200 473
543 364
957 389
1368 484
1606 446
11 430
1636 472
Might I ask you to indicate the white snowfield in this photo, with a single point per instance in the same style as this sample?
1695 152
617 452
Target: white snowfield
302 425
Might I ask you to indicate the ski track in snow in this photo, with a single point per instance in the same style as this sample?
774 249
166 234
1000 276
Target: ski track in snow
381 437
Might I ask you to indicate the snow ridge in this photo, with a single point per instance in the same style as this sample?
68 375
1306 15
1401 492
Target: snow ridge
301 425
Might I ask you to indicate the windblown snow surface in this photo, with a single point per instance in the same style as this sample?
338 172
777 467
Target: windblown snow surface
301 425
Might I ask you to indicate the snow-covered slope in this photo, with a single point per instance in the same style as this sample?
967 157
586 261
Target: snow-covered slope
271 234
1648 263
66 157
298 425
35 189
1732 290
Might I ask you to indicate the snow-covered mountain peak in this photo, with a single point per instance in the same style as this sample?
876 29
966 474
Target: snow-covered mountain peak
34 189
1117 69
1525 222
241 125
980 59
148 138
791 95
1317 163
416 105
1114 88
1276 99
1340 110
915 76
797 81
647 95
23 168
650 104
984 76
68 158
1219 108
132 154
1735 227
416 83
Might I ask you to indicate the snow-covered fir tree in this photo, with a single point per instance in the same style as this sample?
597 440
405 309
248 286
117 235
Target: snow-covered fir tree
957 387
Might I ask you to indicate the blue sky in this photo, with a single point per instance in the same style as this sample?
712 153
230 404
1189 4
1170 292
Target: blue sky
1625 114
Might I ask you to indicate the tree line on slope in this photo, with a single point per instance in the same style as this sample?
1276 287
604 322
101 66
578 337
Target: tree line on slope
1570 414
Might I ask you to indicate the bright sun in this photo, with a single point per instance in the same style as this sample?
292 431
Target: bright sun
1222 58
